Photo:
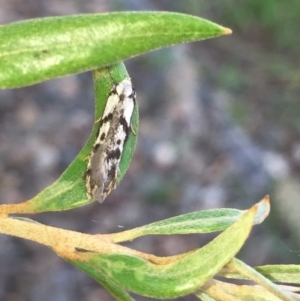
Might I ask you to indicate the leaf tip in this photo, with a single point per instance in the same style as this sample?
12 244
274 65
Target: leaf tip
227 31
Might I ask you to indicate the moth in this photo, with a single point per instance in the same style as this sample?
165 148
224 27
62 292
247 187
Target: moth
114 128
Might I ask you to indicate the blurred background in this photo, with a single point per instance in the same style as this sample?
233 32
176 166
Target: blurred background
219 127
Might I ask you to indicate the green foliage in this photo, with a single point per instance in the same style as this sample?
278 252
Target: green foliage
180 277
41 49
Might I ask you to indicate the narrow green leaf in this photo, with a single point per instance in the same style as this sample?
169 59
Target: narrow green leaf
180 277
69 190
258 278
284 273
205 221
281 273
39 49
221 291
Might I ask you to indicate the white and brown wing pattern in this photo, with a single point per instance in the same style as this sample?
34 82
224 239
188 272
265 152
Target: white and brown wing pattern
115 125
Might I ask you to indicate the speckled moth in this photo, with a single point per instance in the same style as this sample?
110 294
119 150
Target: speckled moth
115 125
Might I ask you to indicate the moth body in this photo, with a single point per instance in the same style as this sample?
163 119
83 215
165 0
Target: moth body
115 125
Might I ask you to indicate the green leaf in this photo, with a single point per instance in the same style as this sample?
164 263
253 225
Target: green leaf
39 49
69 190
180 277
221 291
258 278
205 221
285 273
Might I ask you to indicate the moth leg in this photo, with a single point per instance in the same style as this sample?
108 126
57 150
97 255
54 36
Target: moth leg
88 157
97 120
133 130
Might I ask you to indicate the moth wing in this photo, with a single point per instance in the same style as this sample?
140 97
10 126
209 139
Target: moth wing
98 173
